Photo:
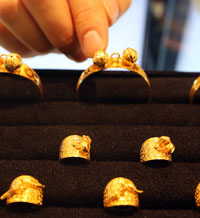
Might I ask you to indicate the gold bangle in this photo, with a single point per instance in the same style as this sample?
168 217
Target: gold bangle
102 61
194 88
13 64
24 189
121 192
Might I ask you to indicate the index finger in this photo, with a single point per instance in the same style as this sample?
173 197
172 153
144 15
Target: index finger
91 24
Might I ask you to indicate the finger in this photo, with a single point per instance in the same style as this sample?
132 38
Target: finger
19 22
77 55
91 25
54 18
115 8
8 41
123 5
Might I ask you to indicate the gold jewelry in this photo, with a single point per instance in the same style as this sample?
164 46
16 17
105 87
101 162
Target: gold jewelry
13 64
157 148
194 88
197 195
102 61
24 189
121 192
75 146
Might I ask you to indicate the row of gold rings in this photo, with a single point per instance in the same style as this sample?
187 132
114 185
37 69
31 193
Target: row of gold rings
123 192
28 189
102 61
155 148
118 192
13 64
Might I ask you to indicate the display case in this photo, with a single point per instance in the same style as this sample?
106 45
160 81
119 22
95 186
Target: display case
113 111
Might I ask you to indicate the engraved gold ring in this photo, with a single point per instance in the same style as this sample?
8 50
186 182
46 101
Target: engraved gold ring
102 61
76 147
12 64
157 148
194 88
121 192
24 189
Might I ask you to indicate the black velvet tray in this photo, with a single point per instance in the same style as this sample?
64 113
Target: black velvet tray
114 113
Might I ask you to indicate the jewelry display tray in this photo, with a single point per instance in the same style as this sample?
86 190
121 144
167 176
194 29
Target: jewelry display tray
118 120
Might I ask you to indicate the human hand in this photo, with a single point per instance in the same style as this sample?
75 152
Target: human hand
77 28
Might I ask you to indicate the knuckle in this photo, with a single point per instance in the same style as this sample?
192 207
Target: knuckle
85 16
26 53
63 42
2 28
43 49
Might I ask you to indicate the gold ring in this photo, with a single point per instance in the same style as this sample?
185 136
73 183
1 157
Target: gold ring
102 61
13 64
157 148
194 88
75 146
197 195
24 189
121 192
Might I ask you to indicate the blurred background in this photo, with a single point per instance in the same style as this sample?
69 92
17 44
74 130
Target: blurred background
166 34
172 37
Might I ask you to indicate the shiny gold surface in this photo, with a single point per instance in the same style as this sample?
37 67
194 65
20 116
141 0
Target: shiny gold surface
75 146
197 195
24 189
12 64
157 148
102 61
194 88
121 192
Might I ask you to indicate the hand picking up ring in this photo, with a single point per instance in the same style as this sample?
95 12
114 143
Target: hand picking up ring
102 61
194 88
13 64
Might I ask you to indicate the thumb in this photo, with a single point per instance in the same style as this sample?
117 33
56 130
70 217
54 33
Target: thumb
91 25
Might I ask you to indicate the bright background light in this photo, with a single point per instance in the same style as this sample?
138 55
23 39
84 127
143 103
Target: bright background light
189 53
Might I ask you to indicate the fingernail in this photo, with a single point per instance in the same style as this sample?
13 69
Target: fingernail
112 10
79 57
92 42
